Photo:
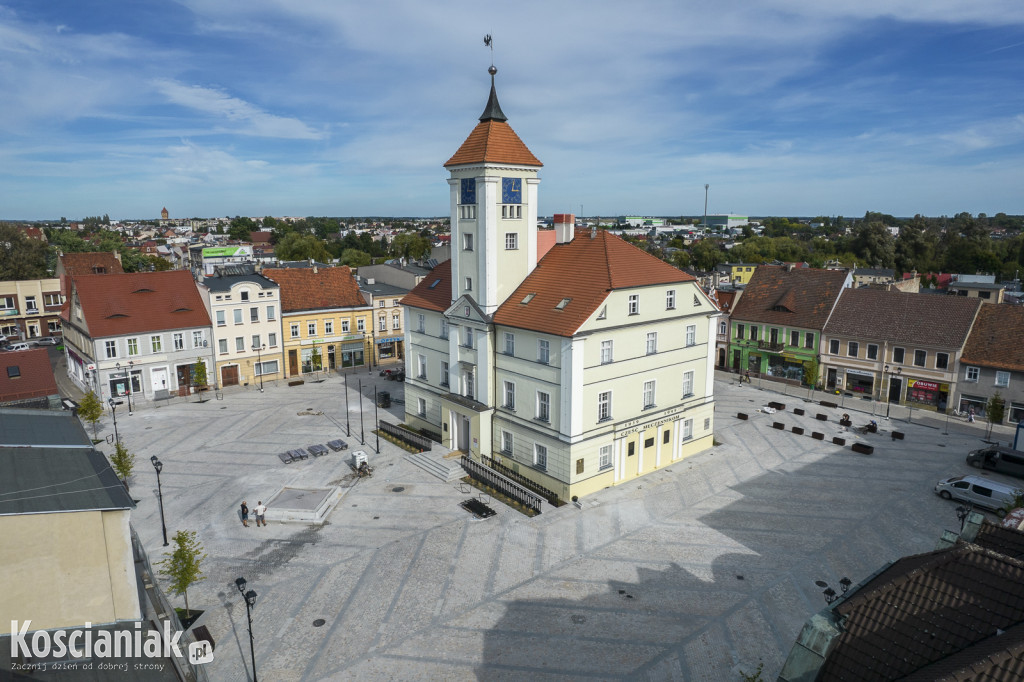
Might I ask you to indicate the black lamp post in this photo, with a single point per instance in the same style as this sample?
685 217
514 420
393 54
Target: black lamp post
348 429
250 604
376 420
131 364
259 361
888 388
362 427
159 466
113 409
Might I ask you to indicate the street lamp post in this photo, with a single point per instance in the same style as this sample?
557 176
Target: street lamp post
250 604
113 409
706 186
348 428
888 388
362 427
159 466
376 420
131 364
259 361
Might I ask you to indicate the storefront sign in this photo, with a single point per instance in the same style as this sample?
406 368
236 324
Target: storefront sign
634 425
860 372
923 385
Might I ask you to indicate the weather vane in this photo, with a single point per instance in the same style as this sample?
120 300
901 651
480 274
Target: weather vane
490 43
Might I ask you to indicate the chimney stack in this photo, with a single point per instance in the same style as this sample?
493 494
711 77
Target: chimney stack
565 227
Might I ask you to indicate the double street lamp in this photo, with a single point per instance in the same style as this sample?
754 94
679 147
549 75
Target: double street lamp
250 604
113 409
888 389
259 361
159 466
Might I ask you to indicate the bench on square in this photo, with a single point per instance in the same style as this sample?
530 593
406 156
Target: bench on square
298 453
286 457
317 450
337 445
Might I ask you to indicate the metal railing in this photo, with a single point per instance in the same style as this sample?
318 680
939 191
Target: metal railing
503 484
406 436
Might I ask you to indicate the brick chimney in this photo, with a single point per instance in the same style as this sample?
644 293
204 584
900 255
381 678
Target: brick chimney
565 227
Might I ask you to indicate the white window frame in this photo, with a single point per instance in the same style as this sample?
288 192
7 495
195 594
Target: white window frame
649 389
691 335
540 456
110 348
511 241
509 391
221 319
178 339
271 312
510 343
239 344
271 340
361 324
197 339
444 373
507 442
445 329
607 352
222 346
971 374
543 351
688 383
294 329
328 327
543 406
670 299
396 321
421 320
652 343
311 329
421 407
236 315
421 366
604 406
633 307
1002 375
133 345
345 324
687 429
604 460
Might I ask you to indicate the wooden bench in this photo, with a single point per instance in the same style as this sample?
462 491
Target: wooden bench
862 448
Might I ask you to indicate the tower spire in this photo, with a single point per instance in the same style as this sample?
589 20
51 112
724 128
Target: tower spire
492 112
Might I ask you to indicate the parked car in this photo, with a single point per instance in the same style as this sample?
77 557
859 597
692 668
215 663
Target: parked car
998 458
47 341
18 346
980 492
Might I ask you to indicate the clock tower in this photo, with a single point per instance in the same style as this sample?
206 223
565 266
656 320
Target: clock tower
493 189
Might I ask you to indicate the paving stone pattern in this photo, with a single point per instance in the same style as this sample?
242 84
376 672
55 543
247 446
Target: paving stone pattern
695 572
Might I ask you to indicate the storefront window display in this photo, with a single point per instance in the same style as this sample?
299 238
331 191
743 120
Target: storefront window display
860 383
1016 412
978 404
782 368
927 393
351 355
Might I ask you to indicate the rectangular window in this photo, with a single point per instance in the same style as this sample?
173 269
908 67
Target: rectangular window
396 321
543 406
179 341
1002 379
543 351
652 343
510 395
467 241
897 355
753 333
51 300
271 313
794 339
604 406
808 340
540 456
272 340
361 324
197 339
245 295
266 367
506 442
444 328
634 304
833 346
311 328
470 384
604 460
381 303
852 349
920 358
222 345
421 366
670 299
328 327
237 313
687 383
133 346
511 241
256 342
469 337
510 343
469 284
972 374
739 331
220 318
666 436
606 352
942 361
111 348
444 373
723 328
872 351
344 326
30 304
239 344
579 466
648 394
687 429
421 407
295 330
421 323
691 335
382 324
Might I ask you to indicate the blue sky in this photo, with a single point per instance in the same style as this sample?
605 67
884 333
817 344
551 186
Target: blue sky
321 107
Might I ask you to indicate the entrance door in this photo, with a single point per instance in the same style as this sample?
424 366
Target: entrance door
184 379
158 379
229 375
830 381
463 433
293 362
721 357
895 389
330 358
736 360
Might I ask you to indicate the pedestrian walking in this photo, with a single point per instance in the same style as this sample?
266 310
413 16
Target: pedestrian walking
260 512
748 376
245 514
970 415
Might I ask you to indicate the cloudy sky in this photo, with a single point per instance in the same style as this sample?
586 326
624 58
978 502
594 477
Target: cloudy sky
324 107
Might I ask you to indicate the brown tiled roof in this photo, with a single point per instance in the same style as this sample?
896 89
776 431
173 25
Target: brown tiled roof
805 295
35 375
725 299
1006 541
997 659
995 340
899 317
309 289
922 610
76 264
496 142
434 292
137 302
260 236
584 271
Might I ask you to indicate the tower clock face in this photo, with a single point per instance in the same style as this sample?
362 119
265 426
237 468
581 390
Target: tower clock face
468 191
511 190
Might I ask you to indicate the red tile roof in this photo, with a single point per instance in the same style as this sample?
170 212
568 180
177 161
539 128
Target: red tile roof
995 339
35 375
260 236
434 292
584 270
496 142
802 297
114 305
314 289
76 264
904 318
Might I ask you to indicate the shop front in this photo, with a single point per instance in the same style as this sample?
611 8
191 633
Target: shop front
928 394
352 354
789 369
977 404
859 381
389 348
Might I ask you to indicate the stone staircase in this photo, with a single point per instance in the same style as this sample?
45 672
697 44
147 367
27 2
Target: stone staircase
434 464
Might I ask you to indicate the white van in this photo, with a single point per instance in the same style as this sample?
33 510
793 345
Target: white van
980 492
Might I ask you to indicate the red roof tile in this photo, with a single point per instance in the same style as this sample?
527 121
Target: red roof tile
114 305
584 270
314 289
434 292
904 318
995 339
495 142
35 375
801 297
87 263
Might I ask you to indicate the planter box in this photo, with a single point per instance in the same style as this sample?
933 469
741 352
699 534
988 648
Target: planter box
897 435
818 436
799 411
839 441
742 415
297 382
825 403
846 422
798 431
777 406
862 448
779 425
821 417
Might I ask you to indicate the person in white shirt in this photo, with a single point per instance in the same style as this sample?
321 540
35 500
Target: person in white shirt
260 510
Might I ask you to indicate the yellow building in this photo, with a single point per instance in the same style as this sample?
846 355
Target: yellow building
740 273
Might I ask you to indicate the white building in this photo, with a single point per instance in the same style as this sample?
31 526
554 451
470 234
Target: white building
574 360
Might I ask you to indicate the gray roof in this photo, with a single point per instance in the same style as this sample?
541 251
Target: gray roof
875 272
902 318
225 282
42 480
382 289
976 285
21 428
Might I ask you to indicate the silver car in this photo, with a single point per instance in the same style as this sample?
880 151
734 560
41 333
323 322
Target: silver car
47 341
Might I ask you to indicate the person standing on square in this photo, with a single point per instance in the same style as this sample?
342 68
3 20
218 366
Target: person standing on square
245 514
260 512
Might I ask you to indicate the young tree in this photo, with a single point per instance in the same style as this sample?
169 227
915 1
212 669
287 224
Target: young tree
315 359
183 566
811 374
123 462
199 379
90 410
995 411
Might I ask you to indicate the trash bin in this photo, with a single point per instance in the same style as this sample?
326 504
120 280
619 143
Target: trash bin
383 399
